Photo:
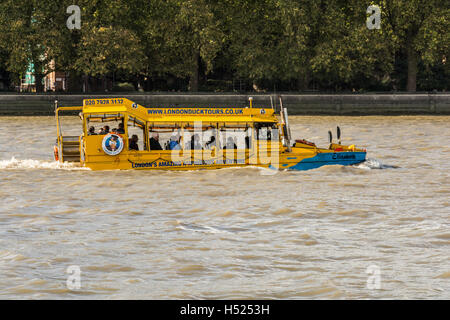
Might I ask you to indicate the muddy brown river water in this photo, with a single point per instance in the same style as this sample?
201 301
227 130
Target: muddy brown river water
377 230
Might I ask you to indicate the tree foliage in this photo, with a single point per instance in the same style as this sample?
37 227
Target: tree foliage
282 44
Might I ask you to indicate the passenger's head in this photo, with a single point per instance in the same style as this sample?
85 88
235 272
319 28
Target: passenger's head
134 138
106 129
155 135
121 125
91 130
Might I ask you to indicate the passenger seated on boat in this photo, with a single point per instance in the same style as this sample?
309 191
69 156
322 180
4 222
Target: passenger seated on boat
104 130
154 142
230 144
211 143
195 143
91 131
174 143
121 129
133 143
247 142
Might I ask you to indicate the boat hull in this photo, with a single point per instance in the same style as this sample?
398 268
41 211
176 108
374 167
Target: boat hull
325 159
289 162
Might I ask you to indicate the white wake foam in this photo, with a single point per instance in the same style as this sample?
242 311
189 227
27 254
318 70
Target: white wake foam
370 164
14 163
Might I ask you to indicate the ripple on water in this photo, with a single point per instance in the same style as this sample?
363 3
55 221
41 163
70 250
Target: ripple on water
445 275
268 223
109 268
354 213
444 236
282 211
9 256
232 233
191 269
226 213
207 229
35 221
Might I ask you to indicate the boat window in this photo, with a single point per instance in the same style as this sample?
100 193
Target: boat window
210 139
164 136
100 124
266 131
136 134
200 136
235 138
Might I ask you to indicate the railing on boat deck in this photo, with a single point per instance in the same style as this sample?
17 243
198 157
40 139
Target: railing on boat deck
68 146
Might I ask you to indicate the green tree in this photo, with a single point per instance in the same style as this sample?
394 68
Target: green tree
104 50
346 53
267 39
34 33
107 43
420 29
297 42
181 35
18 28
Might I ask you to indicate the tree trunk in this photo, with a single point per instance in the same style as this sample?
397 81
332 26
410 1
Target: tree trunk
412 67
141 84
86 85
303 81
38 76
74 82
104 84
193 81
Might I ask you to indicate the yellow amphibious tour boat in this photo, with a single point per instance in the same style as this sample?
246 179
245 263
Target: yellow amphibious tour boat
120 134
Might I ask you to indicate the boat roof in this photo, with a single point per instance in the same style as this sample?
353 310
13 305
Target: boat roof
177 114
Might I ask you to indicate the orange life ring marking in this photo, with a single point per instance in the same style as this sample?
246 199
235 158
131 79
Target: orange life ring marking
55 152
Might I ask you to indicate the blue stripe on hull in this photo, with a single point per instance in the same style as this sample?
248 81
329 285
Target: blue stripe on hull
325 159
